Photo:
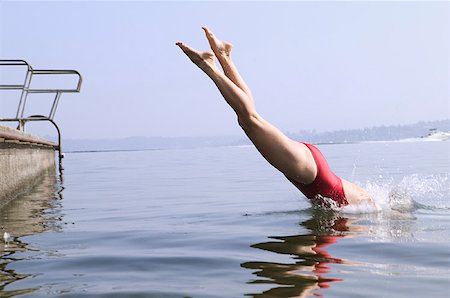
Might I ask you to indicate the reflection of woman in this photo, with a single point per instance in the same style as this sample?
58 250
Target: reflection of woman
303 164
307 274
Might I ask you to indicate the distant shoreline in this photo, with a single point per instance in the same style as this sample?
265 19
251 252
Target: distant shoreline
393 133
411 140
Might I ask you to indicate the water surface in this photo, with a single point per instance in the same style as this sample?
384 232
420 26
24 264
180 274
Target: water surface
220 222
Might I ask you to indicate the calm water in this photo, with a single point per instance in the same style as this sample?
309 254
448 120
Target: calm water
220 222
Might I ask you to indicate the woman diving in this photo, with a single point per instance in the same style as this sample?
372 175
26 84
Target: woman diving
302 163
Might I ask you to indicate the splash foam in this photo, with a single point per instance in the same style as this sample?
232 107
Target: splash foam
411 193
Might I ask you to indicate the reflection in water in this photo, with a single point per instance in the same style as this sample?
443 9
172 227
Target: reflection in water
34 212
311 257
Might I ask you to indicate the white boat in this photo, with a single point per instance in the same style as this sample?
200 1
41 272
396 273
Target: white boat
435 134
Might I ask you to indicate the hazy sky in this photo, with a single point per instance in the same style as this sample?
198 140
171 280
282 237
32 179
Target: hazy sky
310 65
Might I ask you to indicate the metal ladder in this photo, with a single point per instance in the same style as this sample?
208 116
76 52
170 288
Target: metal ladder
25 90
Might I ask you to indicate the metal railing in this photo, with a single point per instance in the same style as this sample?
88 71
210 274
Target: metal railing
25 89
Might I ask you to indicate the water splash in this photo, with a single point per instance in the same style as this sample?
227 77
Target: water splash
398 203
411 193
7 237
325 203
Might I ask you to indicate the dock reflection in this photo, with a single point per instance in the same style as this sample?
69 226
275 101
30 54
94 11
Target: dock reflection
310 269
33 212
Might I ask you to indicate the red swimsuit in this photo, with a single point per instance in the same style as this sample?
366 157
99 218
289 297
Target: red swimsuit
326 184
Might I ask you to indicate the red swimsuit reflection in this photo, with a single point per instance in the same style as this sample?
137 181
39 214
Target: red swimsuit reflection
321 267
311 267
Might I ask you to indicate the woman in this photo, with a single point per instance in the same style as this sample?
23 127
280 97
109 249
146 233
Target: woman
301 163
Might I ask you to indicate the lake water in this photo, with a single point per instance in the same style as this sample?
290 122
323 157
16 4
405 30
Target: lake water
220 222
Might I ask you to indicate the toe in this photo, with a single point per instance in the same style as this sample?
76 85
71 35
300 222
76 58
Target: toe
184 46
208 32
206 29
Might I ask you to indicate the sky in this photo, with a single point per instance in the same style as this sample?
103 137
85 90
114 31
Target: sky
320 66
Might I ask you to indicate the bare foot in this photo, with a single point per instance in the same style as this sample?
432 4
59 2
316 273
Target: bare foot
220 48
204 60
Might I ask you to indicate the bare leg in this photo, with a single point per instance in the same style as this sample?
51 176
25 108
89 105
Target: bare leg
290 157
222 50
